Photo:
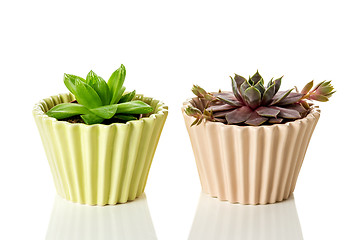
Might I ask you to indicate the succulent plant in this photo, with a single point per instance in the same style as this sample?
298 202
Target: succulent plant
252 103
97 100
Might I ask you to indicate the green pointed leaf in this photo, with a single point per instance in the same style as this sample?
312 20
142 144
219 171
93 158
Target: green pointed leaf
102 89
134 107
69 81
325 90
66 110
255 119
128 97
330 94
115 84
307 88
91 78
319 98
267 112
124 117
279 96
317 86
252 97
86 95
239 115
92 119
106 112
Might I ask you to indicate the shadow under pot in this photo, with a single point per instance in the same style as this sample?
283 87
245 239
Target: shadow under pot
99 164
250 164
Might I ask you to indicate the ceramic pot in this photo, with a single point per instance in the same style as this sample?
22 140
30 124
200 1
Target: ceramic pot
99 164
250 164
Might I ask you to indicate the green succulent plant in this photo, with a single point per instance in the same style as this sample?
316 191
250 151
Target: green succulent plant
97 100
253 103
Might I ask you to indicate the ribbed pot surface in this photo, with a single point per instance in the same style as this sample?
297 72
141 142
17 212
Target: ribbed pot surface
99 164
247 164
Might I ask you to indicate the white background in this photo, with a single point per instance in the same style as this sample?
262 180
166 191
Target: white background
166 47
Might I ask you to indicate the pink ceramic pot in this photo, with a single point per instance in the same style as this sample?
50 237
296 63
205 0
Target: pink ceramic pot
247 164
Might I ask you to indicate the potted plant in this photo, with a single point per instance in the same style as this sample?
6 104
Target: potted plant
99 140
249 144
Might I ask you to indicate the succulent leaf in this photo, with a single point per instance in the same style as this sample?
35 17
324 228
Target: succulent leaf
235 89
268 95
252 97
256 77
86 95
69 81
218 108
260 87
91 119
267 112
106 112
280 96
128 97
124 117
91 78
102 89
255 119
307 88
319 98
244 87
287 113
277 84
115 84
275 120
290 99
66 110
198 91
134 107
231 102
239 80
238 115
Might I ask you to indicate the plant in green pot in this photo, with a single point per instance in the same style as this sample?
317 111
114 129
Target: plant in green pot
249 143
99 139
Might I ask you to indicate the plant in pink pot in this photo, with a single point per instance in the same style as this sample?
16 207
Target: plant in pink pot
249 143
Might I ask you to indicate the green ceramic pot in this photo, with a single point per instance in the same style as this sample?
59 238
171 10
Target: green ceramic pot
100 164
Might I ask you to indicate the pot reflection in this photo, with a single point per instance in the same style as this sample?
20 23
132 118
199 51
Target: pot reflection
223 221
123 221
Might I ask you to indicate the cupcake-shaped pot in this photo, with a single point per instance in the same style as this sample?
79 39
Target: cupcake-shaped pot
247 164
249 144
98 162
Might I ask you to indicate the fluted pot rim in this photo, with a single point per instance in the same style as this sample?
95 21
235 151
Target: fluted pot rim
37 111
314 113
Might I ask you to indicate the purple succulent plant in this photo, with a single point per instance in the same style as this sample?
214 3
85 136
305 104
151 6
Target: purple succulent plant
252 103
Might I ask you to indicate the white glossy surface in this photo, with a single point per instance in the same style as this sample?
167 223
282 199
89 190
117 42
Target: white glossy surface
224 221
125 221
166 47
